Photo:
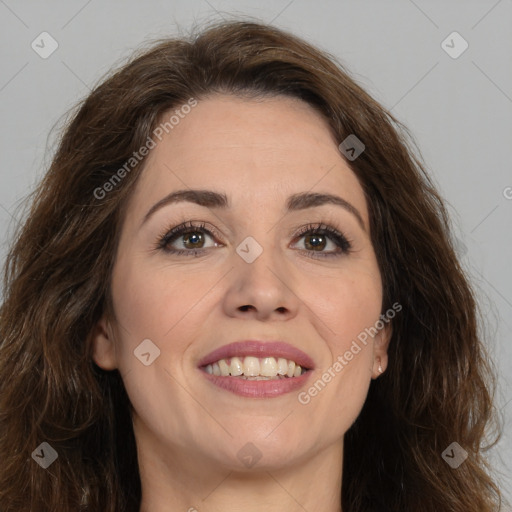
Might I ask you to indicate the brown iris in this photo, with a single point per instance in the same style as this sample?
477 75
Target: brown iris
193 237
316 241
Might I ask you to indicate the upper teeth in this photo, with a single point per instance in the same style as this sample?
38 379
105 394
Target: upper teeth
253 367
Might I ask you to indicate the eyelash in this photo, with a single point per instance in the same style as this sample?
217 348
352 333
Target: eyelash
343 243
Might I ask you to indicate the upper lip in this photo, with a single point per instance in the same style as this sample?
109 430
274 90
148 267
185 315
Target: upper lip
258 349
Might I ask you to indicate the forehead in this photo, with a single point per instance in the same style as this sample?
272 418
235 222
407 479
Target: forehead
251 149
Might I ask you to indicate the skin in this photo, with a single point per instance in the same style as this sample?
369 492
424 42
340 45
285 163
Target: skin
188 431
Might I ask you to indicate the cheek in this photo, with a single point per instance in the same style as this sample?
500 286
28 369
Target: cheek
153 302
151 306
356 309
349 309
336 395
347 306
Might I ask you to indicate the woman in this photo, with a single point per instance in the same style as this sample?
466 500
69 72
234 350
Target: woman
236 290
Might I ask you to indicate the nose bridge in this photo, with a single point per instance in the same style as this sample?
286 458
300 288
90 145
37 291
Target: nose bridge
259 263
259 277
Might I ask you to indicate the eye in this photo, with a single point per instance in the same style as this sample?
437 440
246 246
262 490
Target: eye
318 237
187 239
190 239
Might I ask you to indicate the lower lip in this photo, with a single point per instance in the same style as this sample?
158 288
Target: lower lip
258 388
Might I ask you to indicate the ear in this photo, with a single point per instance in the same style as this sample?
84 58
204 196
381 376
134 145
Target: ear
380 350
103 345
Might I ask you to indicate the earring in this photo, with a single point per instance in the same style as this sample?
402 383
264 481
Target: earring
380 367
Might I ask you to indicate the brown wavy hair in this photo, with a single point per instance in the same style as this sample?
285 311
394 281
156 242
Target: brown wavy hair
440 382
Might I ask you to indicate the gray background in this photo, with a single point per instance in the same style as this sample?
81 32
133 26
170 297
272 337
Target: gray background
459 110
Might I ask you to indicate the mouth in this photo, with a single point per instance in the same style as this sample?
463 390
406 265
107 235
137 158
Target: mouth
257 369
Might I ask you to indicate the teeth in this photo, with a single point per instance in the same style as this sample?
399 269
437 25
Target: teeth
254 368
291 369
251 366
268 367
237 368
224 368
282 366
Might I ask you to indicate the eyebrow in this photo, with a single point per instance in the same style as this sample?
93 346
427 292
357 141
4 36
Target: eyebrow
218 200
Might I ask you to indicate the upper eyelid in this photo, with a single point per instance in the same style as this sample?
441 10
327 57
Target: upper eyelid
201 225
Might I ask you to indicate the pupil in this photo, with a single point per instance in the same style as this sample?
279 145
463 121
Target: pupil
316 241
193 238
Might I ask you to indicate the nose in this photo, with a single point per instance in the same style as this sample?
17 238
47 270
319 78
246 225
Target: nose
263 289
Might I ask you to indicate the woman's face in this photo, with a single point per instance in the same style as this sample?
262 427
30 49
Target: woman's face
249 269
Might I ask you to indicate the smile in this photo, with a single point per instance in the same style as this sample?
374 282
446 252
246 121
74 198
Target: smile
254 368
257 369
